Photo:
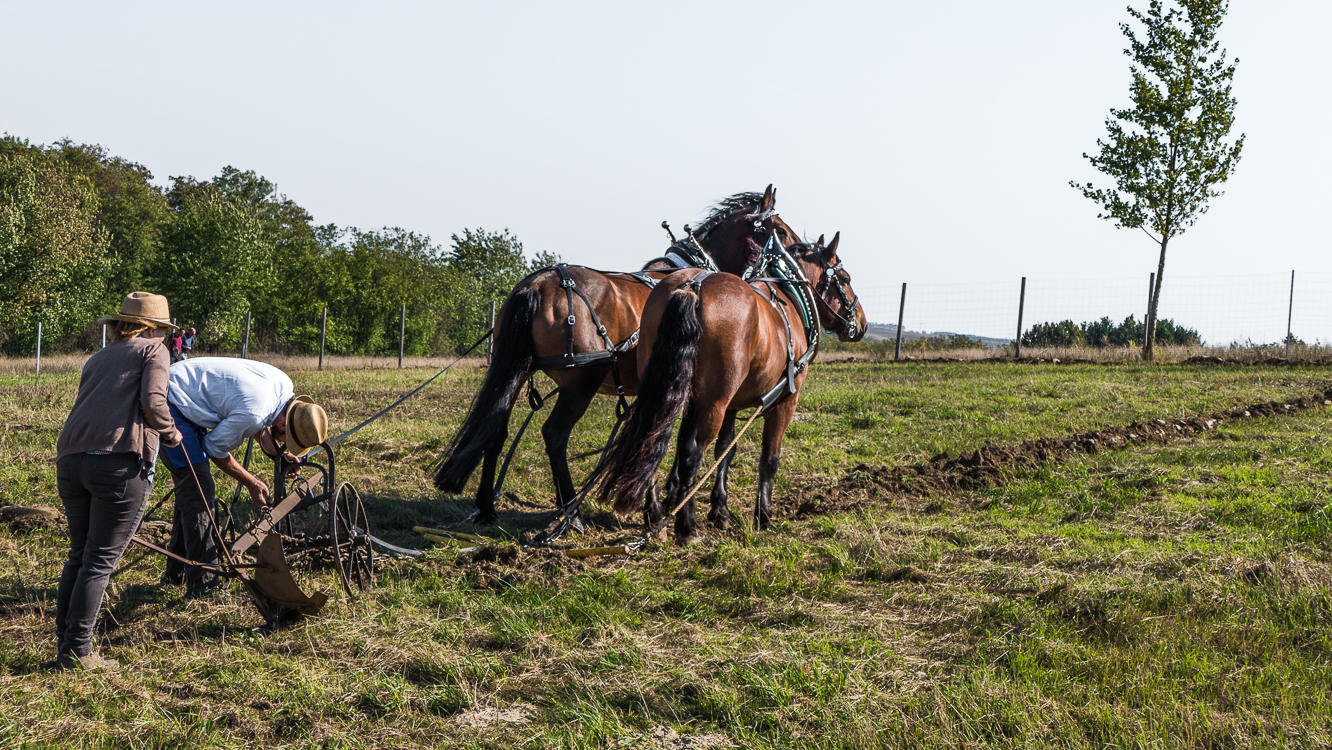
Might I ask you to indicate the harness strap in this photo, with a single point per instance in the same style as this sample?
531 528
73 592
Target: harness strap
570 289
688 253
641 276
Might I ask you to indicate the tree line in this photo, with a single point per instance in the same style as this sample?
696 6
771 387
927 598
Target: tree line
80 228
1106 333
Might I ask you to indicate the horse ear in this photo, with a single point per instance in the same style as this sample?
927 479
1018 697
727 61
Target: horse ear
820 242
769 198
832 246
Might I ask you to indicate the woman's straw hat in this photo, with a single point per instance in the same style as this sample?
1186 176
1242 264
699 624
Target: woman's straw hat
143 307
307 425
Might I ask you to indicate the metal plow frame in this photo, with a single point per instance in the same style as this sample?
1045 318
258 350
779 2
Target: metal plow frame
270 582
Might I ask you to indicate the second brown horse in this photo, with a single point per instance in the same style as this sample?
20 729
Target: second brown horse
720 344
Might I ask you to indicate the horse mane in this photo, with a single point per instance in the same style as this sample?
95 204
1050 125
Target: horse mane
725 209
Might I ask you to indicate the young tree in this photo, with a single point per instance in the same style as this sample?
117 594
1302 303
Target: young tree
1168 152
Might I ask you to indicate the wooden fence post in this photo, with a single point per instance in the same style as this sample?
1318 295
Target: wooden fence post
39 348
490 343
1022 301
103 335
402 332
901 308
323 332
245 342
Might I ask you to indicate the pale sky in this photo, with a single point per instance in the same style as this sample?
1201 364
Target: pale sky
939 138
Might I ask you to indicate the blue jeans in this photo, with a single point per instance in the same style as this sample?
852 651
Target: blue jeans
196 504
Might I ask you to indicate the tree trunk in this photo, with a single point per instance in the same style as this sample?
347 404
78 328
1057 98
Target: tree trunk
1156 298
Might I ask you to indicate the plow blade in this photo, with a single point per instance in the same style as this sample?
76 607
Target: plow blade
273 582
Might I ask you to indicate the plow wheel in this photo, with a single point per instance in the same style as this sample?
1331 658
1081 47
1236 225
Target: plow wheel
349 533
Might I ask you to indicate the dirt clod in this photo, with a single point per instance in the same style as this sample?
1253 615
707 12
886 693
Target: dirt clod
26 518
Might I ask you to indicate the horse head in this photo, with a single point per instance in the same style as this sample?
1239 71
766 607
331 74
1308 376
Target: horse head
737 229
839 306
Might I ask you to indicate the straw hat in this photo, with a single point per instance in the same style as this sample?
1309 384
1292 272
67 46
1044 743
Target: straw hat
143 307
307 425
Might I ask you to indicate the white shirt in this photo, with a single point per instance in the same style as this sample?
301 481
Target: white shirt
233 398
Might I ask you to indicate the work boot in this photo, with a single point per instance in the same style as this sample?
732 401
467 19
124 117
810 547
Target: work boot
91 662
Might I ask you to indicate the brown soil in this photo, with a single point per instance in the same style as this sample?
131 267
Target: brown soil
502 565
21 518
989 465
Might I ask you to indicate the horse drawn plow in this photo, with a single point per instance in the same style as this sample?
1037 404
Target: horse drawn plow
320 522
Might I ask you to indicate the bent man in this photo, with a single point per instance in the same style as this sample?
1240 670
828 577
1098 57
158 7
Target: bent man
217 403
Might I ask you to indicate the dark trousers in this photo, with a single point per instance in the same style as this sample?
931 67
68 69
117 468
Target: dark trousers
191 528
104 498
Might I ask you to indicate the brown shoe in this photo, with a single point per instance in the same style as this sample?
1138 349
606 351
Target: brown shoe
90 663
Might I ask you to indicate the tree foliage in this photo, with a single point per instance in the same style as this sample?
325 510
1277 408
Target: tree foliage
1105 333
51 245
1168 152
80 228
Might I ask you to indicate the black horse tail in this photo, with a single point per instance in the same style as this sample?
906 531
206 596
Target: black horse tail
489 416
631 464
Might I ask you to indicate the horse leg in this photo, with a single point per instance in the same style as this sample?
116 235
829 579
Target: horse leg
485 490
775 423
688 455
702 430
570 406
720 515
653 509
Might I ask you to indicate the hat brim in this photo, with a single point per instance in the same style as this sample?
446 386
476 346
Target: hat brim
293 444
136 319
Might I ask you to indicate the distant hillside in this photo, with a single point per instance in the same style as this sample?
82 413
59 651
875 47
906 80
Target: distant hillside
888 332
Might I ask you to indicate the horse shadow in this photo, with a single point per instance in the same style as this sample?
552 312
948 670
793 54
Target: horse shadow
392 517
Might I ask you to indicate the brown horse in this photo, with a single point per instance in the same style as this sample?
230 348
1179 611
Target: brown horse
719 343
580 327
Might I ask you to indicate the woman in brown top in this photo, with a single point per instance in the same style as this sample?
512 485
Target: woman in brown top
104 465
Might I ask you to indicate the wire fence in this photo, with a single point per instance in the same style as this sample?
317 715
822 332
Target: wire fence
1223 309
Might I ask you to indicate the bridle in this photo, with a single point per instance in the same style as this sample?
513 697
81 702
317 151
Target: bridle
830 280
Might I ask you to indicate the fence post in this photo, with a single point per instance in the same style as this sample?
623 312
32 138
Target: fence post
1290 312
323 331
490 342
39 348
1151 284
402 332
245 342
103 335
901 308
1022 301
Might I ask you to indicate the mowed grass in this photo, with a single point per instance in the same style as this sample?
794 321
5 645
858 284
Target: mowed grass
1170 596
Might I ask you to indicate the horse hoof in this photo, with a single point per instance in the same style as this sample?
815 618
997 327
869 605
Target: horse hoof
689 540
486 519
722 523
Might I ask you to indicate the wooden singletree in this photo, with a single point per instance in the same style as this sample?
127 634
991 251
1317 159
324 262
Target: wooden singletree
1168 152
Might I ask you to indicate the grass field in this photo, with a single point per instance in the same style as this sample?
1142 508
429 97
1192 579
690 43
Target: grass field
1157 596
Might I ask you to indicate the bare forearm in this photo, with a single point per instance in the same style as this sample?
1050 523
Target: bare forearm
232 468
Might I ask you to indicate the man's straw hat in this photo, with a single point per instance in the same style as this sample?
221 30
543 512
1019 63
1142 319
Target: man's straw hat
307 425
143 307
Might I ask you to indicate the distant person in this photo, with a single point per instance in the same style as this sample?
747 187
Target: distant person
105 457
218 402
173 345
187 343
